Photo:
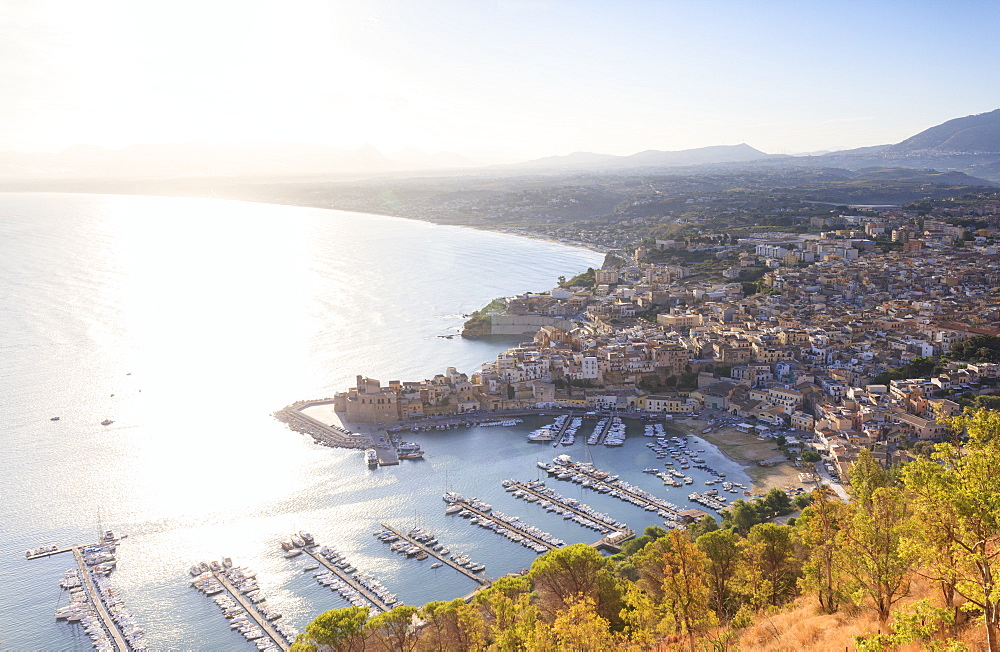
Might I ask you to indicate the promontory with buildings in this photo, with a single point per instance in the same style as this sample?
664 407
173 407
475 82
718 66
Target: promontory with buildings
840 343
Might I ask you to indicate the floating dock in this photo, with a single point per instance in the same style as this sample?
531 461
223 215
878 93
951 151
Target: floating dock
485 516
376 601
94 597
618 533
251 611
616 488
485 581
59 551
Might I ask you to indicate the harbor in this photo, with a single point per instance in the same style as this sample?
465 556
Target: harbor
94 602
438 553
560 515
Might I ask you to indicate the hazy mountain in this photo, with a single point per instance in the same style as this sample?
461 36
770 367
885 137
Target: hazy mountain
649 158
970 145
207 159
973 133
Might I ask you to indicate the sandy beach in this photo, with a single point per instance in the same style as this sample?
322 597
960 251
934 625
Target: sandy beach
747 450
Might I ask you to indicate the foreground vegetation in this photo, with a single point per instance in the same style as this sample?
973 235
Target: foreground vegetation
909 563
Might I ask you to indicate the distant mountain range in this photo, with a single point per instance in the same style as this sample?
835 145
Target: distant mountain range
650 158
218 160
969 145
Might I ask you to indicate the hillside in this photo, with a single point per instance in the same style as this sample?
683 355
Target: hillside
973 133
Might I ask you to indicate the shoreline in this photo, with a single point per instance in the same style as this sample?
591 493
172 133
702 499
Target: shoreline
743 450
747 451
597 249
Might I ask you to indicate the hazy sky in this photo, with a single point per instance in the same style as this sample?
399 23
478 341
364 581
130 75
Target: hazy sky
493 80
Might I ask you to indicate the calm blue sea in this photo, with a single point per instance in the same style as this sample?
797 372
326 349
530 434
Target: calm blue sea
187 322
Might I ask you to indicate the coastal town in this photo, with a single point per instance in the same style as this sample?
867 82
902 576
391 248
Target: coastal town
838 345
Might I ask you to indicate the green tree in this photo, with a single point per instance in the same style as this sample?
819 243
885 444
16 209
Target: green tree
871 553
817 530
772 567
722 557
866 475
776 503
341 630
507 612
741 516
394 630
706 523
956 503
454 626
811 456
562 576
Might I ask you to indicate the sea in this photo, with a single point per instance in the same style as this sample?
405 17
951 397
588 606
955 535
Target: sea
187 323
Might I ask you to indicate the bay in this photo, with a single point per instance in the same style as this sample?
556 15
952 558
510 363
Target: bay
187 322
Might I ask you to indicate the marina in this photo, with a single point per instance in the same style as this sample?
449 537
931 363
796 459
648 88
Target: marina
436 552
480 513
94 602
616 531
363 587
586 475
235 591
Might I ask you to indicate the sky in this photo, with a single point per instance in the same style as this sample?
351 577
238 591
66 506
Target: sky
495 81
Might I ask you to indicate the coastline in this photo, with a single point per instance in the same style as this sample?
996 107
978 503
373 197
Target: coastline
747 451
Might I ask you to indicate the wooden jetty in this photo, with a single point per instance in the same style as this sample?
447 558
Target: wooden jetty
95 599
485 581
350 581
251 611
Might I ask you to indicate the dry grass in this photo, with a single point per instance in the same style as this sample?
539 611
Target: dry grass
803 628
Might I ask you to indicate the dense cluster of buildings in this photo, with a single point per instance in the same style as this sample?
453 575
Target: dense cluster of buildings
802 355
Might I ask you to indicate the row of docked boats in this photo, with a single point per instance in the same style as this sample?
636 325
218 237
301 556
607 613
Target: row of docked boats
510 527
569 508
408 450
295 544
609 431
39 551
245 609
504 422
604 482
549 432
569 435
338 582
710 499
98 562
654 430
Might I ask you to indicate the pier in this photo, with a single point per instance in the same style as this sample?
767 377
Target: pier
368 595
485 581
251 611
597 480
599 439
563 427
94 597
484 516
60 551
616 536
